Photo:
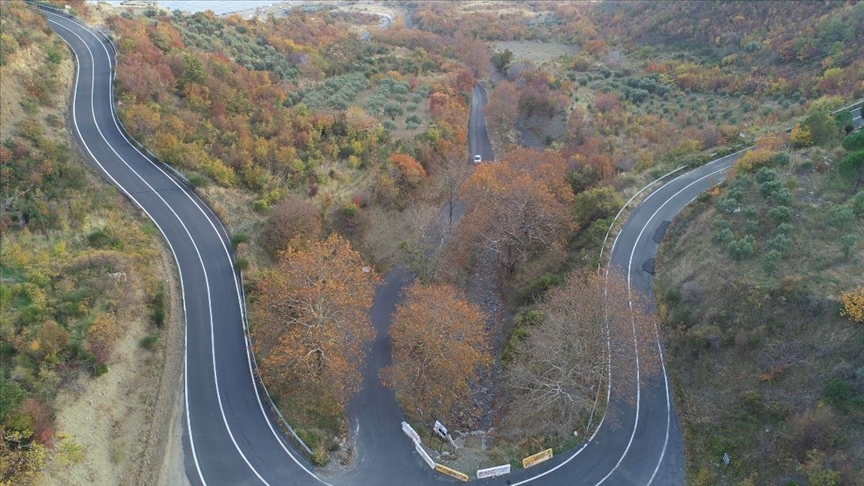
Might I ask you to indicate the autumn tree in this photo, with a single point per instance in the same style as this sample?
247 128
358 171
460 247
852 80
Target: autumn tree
474 53
853 304
446 161
561 366
502 108
294 222
310 324
518 206
439 346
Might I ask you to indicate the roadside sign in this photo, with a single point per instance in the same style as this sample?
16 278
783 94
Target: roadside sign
535 459
440 429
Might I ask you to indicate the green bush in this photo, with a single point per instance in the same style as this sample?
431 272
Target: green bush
837 391
858 204
780 214
769 263
854 141
241 264
742 249
780 243
842 217
723 237
149 342
852 166
537 287
320 456
847 242
238 238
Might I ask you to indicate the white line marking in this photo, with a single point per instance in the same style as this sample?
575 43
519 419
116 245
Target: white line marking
241 302
170 246
188 233
665 375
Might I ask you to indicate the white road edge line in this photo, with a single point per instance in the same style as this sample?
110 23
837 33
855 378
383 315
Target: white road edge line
629 273
173 253
236 284
200 258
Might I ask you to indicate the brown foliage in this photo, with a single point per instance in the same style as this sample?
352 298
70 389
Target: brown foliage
518 206
439 346
502 108
407 171
562 364
310 324
294 222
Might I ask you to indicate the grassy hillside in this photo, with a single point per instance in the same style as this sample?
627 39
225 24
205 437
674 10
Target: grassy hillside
63 317
748 283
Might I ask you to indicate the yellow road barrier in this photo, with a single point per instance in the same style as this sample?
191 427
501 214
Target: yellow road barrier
451 472
535 459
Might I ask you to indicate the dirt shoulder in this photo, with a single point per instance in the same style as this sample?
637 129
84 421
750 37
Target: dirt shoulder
124 427
123 421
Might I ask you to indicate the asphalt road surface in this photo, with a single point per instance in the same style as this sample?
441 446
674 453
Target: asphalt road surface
230 437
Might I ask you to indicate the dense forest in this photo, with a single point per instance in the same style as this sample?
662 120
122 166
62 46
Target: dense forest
327 142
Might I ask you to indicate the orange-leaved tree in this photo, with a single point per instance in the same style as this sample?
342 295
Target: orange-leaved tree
439 346
853 304
518 206
311 324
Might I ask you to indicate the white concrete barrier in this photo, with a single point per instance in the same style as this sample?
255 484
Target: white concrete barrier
424 454
410 432
491 472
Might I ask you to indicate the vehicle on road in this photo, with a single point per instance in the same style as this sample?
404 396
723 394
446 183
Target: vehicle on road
478 159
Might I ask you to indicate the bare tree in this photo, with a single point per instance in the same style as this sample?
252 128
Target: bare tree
561 368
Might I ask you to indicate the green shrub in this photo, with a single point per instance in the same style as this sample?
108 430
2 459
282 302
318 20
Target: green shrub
854 141
780 243
238 238
320 456
99 370
742 249
723 237
780 214
847 242
769 263
149 342
537 287
837 391
852 166
241 264
858 204
842 217
781 158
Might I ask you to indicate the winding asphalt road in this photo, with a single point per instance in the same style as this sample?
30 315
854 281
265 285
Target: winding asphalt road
229 435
